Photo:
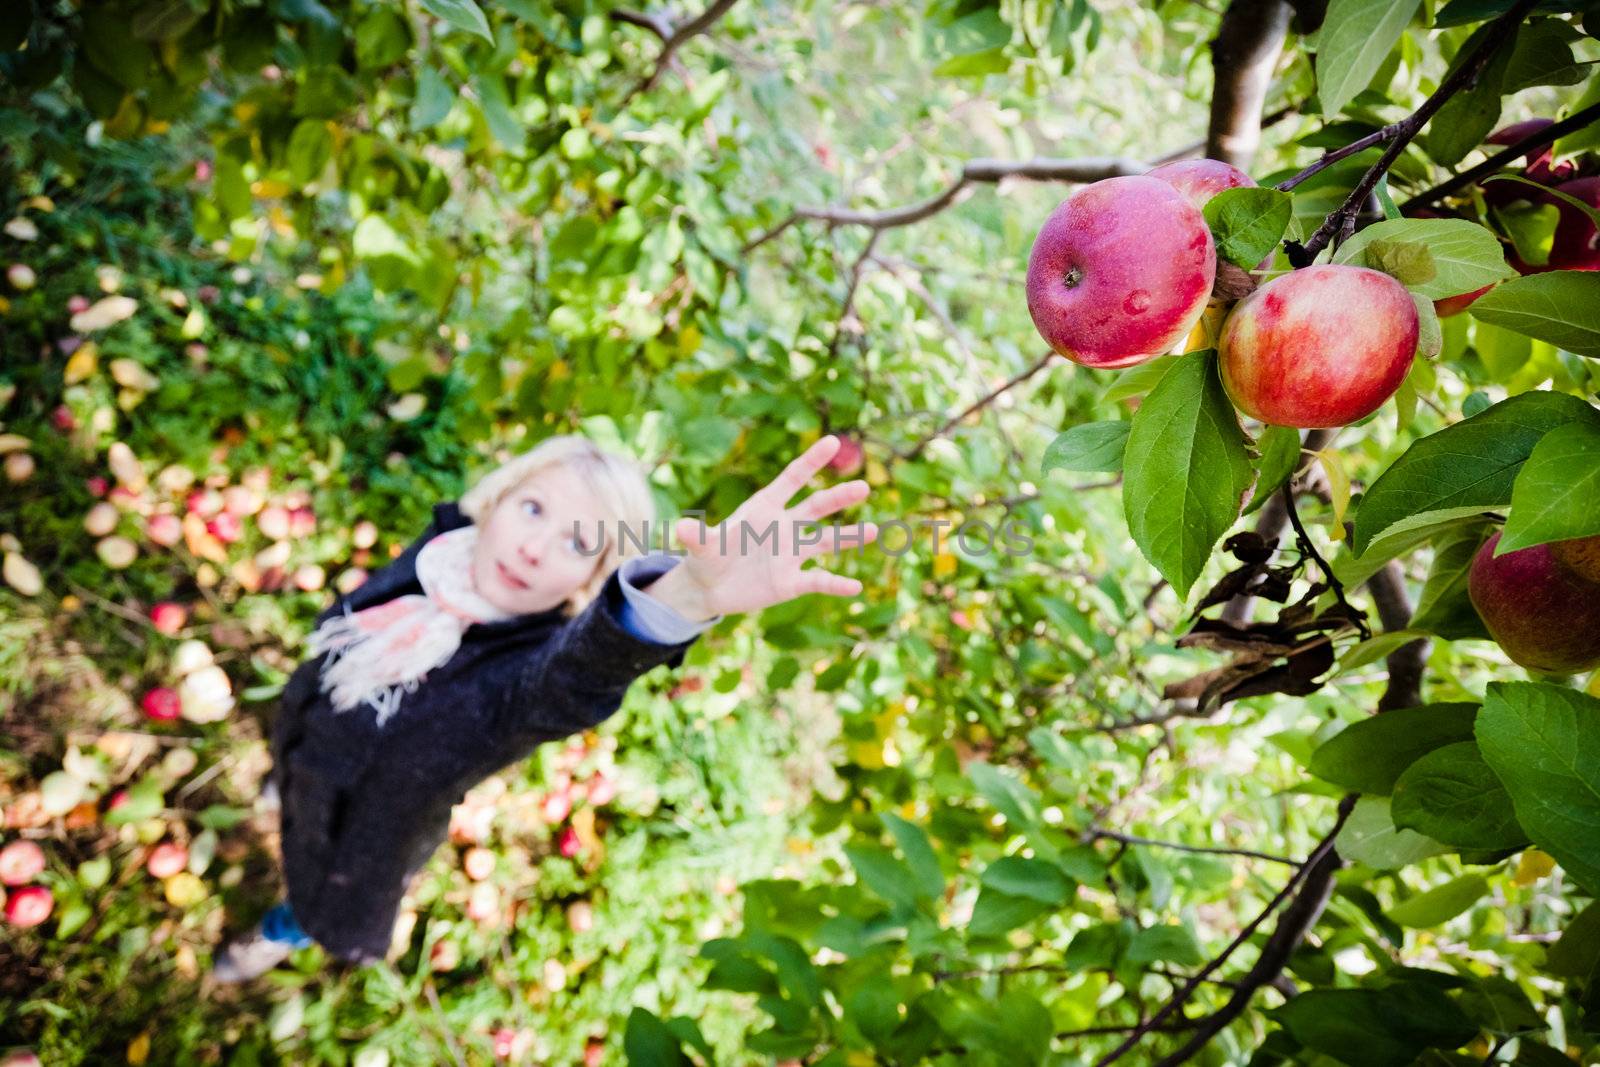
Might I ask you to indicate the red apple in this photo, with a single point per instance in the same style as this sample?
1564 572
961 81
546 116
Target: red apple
1322 346
1455 305
96 485
161 704
1581 556
165 529
568 843
1544 616
20 1058
1541 167
1576 245
204 503
302 522
557 805
29 906
1120 272
504 1040
273 521
77 304
602 790
225 527
20 862
594 1052
444 956
62 418
478 863
1201 179
168 617
166 860
847 460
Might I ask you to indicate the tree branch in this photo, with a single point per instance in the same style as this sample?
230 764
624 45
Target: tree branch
1297 921
1212 850
1408 663
1243 55
973 172
977 405
1341 223
1505 157
1315 875
673 37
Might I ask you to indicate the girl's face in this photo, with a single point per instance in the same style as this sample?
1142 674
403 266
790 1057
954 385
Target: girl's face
529 558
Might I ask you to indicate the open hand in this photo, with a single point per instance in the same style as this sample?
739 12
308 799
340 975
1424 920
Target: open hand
753 559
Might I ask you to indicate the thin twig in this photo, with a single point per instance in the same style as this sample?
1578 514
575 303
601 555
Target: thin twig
673 37
1341 222
1505 157
1310 549
1214 850
977 405
1178 999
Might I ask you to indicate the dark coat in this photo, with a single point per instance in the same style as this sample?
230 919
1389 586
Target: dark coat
363 808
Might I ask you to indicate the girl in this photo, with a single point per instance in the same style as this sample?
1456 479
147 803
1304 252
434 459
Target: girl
506 624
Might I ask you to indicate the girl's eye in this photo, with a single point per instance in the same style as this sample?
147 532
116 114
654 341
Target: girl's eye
534 504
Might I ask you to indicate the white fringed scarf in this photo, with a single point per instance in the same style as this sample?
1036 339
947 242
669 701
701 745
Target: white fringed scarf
378 654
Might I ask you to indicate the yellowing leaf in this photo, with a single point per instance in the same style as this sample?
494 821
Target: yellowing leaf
944 565
139 1049
103 314
84 362
1338 489
1533 866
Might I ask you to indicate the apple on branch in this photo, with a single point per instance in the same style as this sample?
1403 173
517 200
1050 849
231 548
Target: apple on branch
1544 614
1319 347
1120 272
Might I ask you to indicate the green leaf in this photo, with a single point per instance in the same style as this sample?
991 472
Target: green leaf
310 148
973 64
1370 836
1355 39
1452 796
1434 258
648 1043
1592 213
144 801
1137 381
1024 876
1463 12
1092 446
1375 1027
1543 742
1577 953
920 858
1463 469
1443 607
433 100
1543 56
1248 223
464 15
1369 756
1186 470
883 873
1280 455
1556 496
1559 306
1165 944
1471 114
503 124
995 912
1441 903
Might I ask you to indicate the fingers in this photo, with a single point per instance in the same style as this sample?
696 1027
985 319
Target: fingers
800 470
834 498
821 581
841 539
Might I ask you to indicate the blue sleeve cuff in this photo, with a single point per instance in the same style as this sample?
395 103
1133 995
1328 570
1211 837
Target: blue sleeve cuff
646 617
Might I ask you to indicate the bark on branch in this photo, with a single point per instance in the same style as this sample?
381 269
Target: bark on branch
1243 56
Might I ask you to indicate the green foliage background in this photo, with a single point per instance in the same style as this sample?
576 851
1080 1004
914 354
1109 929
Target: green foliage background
942 806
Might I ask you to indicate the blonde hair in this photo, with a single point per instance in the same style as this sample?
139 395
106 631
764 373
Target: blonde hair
618 482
